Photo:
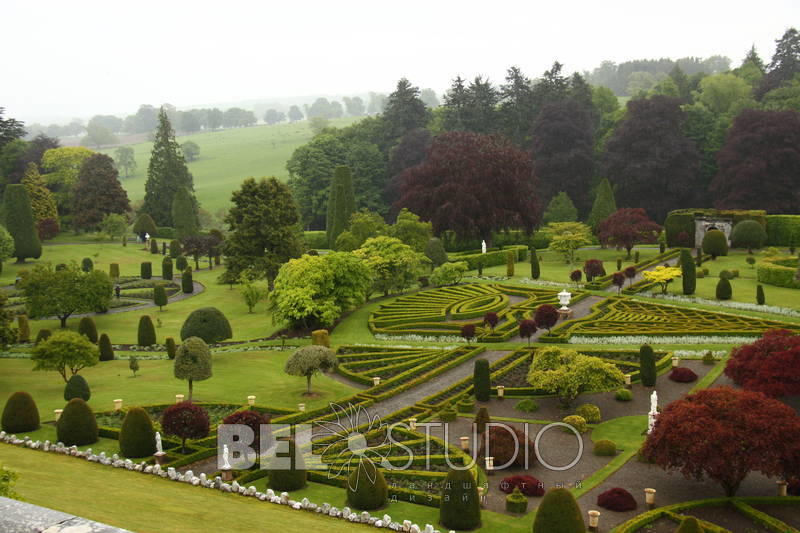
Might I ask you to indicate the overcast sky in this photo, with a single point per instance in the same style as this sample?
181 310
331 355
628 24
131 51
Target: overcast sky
76 59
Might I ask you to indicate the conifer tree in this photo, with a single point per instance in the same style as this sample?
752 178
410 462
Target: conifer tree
604 204
98 192
184 214
43 203
20 222
341 203
560 209
166 173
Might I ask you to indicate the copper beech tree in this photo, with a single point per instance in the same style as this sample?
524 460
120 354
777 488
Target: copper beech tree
473 185
627 227
770 365
724 434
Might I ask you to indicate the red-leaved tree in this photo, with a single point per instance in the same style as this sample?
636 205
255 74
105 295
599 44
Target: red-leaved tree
618 279
253 420
630 273
576 276
628 227
724 434
593 268
474 185
527 328
546 316
770 365
468 332
490 319
185 420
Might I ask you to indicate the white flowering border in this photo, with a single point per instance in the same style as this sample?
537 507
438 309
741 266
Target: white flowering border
698 354
401 346
202 481
420 338
646 339
545 283
743 306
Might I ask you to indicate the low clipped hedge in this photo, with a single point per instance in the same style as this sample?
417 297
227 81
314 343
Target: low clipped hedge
778 271
605 448
491 258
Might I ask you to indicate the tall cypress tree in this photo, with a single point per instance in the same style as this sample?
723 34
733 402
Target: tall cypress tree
604 204
341 203
184 213
20 222
98 192
689 272
166 173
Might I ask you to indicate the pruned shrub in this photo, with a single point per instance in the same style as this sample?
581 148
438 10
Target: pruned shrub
20 414
77 425
153 246
146 270
460 507
113 270
708 358
208 323
616 499
577 422
166 269
77 387
137 437
253 420
726 274
528 405
724 289
88 329
511 257
290 473
575 276
481 419
366 487
508 449
715 244
690 524
527 485
647 366
559 512
106 349
682 374
87 265
42 335
321 337
448 414
760 298
146 335
466 405
516 502
748 234
175 249
171 347
181 263
605 447
589 412
23 329
482 380
623 395
187 283
185 420
546 316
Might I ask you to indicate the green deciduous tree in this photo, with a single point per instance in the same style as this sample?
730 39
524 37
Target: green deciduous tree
62 166
66 352
62 292
43 203
568 373
114 225
193 362
567 237
190 150
97 193
20 223
411 230
124 159
310 360
394 265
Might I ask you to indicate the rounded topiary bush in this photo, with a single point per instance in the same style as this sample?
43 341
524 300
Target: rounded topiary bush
748 234
87 265
516 502
527 485
683 375
589 412
466 405
20 414
181 263
623 395
528 405
708 358
559 512
508 449
106 349
77 425
146 335
715 243
88 329
616 499
577 422
291 478
448 414
208 323
605 448
690 525
77 387
137 438
43 335
460 507
724 289
366 487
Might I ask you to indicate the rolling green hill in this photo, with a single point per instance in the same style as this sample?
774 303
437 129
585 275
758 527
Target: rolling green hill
227 157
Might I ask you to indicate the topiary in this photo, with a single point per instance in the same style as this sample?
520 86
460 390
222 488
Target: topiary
724 289
535 267
181 263
511 257
166 268
481 419
185 420
113 270
171 347
153 246
616 499
708 358
726 274
516 502
88 329
482 380
175 249
605 447
715 243
647 366
508 449
366 487
434 250
20 414
287 473
320 337
77 425
43 335
559 512
528 405
466 405
77 387
146 270
589 412
160 296
208 323
527 485
682 374
748 234
623 395
137 437
688 272
146 335
144 224
106 349
87 265
448 414
460 507
23 329
760 298
690 524
187 284
577 422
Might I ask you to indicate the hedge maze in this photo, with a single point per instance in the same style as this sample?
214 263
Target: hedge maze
443 311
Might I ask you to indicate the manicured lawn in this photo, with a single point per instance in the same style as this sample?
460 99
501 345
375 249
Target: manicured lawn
236 375
147 503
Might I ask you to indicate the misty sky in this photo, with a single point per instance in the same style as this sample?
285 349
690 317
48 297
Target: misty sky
76 59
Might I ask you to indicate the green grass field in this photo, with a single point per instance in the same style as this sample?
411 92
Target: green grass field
229 156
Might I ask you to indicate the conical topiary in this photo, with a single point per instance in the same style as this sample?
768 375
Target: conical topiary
287 472
43 335
482 380
690 525
20 414
77 425
137 437
171 347
23 329
166 269
535 267
559 512
77 387
724 289
647 366
366 487
106 350
459 507
187 285
147 332
88 329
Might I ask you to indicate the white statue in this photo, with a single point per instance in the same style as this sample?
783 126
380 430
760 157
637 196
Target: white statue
159 449
564 298
226 465
651 416
654 402
483 247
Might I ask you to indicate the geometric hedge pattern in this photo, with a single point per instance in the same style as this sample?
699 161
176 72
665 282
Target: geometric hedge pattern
618 316
445 310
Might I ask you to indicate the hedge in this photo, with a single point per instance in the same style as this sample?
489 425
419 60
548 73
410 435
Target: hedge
782 228
490 258
316 240
778 271
683 220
